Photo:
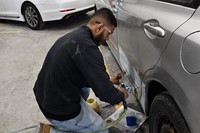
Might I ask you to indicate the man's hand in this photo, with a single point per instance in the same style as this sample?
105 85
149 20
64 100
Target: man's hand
115 78
123 90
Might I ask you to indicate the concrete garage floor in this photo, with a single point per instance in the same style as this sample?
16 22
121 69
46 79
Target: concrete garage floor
22 52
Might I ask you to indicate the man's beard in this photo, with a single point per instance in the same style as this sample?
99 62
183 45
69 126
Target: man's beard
100 40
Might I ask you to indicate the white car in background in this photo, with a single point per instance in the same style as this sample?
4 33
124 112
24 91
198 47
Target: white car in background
36 12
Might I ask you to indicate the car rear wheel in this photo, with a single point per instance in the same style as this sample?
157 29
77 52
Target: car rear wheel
33 17
165 116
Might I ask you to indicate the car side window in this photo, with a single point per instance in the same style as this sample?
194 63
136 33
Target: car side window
188 3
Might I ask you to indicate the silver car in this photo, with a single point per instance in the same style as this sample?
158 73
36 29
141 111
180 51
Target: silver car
157 44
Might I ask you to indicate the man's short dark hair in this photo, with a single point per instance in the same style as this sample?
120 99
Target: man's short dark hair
106 15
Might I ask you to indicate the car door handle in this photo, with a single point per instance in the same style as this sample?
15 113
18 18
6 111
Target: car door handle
153 29
113 6
114 10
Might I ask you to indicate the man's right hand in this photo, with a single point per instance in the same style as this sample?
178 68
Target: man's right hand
123 90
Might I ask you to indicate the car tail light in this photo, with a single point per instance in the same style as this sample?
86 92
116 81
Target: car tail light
67 10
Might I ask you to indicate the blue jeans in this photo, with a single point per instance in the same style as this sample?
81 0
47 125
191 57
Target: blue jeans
87 120
85 93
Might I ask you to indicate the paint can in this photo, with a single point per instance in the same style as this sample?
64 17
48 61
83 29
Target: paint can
131 121
93 104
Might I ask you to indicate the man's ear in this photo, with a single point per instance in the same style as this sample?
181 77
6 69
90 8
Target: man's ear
98 28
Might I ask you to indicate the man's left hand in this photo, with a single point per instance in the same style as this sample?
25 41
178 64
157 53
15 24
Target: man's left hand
115 79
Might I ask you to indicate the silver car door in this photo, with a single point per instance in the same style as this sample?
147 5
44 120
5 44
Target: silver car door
144 29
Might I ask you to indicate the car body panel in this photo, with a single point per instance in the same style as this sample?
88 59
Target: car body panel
2 8
11 11
55 14
182 85
48 10
189 51
187 95
166 60
130 25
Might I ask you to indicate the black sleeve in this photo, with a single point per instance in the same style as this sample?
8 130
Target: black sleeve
91 64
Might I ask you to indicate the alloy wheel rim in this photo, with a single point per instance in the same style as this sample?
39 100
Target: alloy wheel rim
168 127
31 16
164 124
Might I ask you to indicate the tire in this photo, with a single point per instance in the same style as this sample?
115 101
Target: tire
33 17
165 116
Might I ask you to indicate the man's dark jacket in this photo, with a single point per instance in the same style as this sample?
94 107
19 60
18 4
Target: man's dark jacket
73 62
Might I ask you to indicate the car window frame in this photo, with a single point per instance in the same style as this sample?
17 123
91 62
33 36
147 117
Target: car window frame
191 4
